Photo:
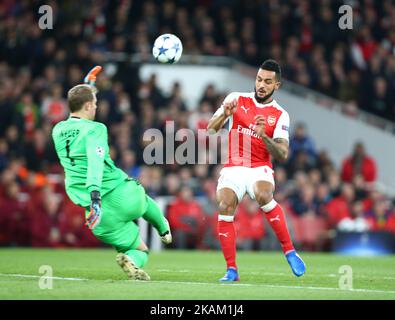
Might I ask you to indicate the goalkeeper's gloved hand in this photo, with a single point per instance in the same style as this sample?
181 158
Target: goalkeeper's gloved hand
94 216
90 78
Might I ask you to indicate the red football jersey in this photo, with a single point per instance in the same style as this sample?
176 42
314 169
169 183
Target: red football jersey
245 148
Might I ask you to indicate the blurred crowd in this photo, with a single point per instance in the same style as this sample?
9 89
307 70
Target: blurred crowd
38 67
356 66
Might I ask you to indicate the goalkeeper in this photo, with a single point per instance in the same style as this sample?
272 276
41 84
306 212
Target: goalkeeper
112 200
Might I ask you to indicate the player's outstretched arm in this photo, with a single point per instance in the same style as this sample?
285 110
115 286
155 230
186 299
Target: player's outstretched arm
94 216
90 78
96 146
278 147
219 118
216 123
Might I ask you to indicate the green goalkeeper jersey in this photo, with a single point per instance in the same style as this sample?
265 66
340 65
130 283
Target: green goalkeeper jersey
83 150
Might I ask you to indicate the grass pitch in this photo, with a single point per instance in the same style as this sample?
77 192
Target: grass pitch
187 275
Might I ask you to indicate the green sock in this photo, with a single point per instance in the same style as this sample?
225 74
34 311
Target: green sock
139 257
155 216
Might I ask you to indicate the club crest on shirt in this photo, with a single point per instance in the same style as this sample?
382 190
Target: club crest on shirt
100 151
271 120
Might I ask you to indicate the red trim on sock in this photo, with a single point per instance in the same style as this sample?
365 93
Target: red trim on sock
277 221
227 237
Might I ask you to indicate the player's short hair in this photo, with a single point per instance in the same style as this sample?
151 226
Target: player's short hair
272 65
79 95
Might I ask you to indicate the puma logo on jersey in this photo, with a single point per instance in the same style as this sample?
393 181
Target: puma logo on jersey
223 234
276 218
245 110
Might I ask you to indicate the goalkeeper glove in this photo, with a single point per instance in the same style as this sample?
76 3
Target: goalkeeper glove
94 216
90 78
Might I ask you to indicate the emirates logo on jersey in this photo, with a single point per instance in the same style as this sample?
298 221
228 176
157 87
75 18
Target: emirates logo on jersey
271 120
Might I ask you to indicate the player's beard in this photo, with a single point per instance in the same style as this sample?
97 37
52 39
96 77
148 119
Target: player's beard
265 98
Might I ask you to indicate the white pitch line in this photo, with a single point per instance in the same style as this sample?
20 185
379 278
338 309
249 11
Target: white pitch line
35 276
331 275
210 283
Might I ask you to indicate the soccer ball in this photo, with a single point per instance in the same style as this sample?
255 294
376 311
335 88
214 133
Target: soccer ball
167 48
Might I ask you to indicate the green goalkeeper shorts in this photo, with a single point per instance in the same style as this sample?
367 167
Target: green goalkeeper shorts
127 202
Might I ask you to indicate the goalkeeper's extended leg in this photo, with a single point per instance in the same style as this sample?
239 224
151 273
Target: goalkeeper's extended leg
125 237
131 262
117 227
154 216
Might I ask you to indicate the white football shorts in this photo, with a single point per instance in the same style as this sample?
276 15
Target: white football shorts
242 179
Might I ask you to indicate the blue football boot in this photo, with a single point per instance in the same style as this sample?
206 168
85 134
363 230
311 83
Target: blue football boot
230 275
297 265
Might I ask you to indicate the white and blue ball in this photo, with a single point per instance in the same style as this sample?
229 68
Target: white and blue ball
167 48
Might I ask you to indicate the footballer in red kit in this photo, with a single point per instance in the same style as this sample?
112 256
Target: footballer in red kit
258 131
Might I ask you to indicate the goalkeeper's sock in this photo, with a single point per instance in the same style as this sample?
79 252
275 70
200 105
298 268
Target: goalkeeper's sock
276 218
155 216
138 257
227 238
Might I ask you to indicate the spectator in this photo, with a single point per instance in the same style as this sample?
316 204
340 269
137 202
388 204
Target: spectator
13 224
198 120
151 179
43 214
360 187
324 163
381 217
28 117
283 189
171 185
380 102
304 203
334 183
3 154
299 163
322 197
54 107
39 152
357 221
128 163
349 88
359 163
210 96
72 227
339 208
302 142
14 142
249 225
186 220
